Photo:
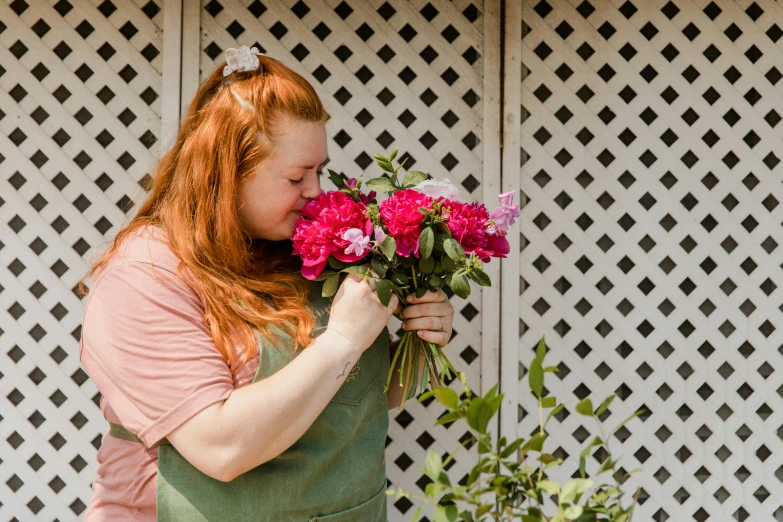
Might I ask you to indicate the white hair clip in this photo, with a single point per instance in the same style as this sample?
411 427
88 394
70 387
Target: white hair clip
242 59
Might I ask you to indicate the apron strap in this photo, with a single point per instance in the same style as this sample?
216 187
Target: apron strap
119 431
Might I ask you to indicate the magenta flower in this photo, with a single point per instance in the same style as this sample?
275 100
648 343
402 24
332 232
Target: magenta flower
466 223
400 213
319 232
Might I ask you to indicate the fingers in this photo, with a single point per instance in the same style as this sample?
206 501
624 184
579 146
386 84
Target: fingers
439 338
442 309
425 323
429 297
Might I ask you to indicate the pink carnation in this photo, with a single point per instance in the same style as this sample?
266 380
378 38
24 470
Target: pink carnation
318 233
400 213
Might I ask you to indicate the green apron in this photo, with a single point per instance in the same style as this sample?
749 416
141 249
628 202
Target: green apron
336 472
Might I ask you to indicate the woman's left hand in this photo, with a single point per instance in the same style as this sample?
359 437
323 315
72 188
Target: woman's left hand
431 316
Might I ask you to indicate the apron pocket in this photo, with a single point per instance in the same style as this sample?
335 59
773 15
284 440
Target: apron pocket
361 378
373 510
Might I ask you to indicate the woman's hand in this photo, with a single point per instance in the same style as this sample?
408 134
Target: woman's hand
430 315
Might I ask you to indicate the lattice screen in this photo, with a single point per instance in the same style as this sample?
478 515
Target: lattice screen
80 116
652 138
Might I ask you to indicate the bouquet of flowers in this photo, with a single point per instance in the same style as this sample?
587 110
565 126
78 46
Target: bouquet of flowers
421 237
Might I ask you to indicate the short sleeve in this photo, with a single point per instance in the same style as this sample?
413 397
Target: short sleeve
146 347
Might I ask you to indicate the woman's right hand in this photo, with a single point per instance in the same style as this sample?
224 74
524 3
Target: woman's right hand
357 314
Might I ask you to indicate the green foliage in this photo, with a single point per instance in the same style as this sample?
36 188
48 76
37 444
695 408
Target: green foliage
509 482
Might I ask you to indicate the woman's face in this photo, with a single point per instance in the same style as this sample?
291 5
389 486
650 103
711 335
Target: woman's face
271 198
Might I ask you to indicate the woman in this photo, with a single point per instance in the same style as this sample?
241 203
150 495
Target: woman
234 391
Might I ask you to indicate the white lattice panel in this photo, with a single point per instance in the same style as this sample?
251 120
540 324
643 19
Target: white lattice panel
79 118
404 74
651 252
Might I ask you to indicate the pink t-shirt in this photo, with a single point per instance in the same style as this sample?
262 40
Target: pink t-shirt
145 345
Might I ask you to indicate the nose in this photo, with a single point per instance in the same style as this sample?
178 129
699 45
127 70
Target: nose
313 189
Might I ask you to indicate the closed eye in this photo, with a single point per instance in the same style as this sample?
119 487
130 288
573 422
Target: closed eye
300 180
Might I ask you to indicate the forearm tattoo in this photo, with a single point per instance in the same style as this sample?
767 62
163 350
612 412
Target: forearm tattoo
346 367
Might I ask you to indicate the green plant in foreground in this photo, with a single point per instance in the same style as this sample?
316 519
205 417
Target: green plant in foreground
509 481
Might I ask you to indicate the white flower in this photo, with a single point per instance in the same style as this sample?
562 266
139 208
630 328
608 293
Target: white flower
437 189
242 59
359 242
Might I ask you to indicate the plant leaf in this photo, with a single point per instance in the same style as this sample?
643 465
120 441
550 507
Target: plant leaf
359 270
388 247
433 465
383 290
381 184
480 277
446 396
379 267
330 286
604 405
413 178
536 377
453 250
426 242
585 407
445 514
460 286
548 402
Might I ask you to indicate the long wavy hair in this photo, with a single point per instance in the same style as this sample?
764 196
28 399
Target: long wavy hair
229 129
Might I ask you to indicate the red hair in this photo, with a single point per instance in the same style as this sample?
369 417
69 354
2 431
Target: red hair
229 129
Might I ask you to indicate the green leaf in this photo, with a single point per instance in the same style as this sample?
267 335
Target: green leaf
445 514
433 465
336 178
460 286
573 488
453 250
607 465
541 350
536 442
553 369
330 286
449 417
383 163
536 377
549 486
358 270
604 405
585 407
573 512
511 448
323 276
421 291
426 241
548 402
335 263
379 267
480 277
381 185
426 265
446 396
634 414
388 247
413 178
393 154
383 290
479 414
553 413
